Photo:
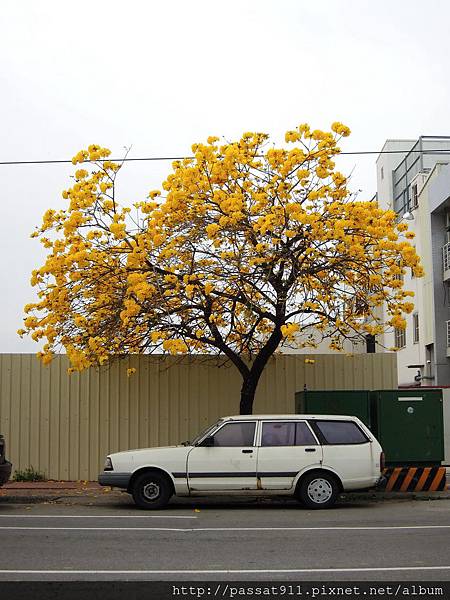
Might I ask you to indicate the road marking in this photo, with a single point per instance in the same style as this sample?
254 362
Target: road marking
28 516
17 528
203 529
219 571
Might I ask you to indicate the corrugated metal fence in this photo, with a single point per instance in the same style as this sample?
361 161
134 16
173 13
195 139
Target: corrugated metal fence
64 425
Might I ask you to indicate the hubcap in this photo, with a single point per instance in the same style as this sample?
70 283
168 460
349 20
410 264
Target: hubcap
151 491
320 490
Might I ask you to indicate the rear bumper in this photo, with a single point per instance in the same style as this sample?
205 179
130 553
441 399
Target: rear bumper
356 485
120 480
5 472
381 483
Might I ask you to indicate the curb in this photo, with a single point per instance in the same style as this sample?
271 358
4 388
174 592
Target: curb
52 485
381 495
27 499
111 496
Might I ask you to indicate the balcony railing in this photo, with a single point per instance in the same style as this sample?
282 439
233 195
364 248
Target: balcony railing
446 260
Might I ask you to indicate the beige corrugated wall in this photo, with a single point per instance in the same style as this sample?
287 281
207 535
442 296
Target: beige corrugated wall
64 425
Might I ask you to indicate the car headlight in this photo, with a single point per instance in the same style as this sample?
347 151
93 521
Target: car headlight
108 464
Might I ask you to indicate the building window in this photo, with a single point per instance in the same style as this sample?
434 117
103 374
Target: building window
400 337
414 196
382 173
416 328
400 276
447 227
447 293
412 268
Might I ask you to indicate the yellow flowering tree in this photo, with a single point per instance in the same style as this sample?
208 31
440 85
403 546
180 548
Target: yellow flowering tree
248 246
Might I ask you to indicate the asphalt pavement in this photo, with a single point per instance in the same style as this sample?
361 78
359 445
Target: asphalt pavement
102 536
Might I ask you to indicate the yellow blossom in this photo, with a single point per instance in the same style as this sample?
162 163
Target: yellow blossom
212 230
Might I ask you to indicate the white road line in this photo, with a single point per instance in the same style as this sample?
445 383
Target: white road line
219 571
203 529
28 516
17 528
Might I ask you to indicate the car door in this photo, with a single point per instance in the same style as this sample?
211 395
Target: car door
286 447
346 449
229 463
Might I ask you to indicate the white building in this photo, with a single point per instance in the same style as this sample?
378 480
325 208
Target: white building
323 346
413 178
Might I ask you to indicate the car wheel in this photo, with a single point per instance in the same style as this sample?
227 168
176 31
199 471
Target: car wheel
151 491
318 490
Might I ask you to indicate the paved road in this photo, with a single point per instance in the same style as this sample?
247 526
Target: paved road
385 541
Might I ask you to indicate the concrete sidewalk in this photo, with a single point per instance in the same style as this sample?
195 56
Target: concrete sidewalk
90 492
31 492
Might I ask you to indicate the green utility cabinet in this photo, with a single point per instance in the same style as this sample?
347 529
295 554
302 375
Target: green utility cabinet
335 402
409 425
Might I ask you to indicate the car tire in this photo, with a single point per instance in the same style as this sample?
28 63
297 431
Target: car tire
318 490
151 491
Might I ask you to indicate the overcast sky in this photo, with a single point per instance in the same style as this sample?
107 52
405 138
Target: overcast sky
159 76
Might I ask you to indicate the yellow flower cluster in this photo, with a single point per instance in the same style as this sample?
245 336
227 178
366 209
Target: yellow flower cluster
289 329
175 346
93 153
398 322
340 129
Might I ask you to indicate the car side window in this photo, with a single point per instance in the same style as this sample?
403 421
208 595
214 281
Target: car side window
286 434
303 435
341 432
278 434
235 434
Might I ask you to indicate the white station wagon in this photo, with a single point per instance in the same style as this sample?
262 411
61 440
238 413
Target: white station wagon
310 457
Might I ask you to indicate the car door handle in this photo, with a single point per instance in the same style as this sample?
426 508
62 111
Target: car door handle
310 449
247 451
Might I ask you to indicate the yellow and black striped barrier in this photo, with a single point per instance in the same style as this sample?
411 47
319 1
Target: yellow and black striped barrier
414 479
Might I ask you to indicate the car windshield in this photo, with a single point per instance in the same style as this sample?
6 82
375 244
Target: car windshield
205 432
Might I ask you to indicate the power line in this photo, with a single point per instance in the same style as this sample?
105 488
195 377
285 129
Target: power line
119 160
162 158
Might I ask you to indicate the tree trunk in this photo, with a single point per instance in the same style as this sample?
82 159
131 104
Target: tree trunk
251 377
248 391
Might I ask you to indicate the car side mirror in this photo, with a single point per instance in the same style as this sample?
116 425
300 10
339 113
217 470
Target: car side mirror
208 442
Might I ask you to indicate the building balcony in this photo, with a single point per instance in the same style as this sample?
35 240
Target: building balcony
446 262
